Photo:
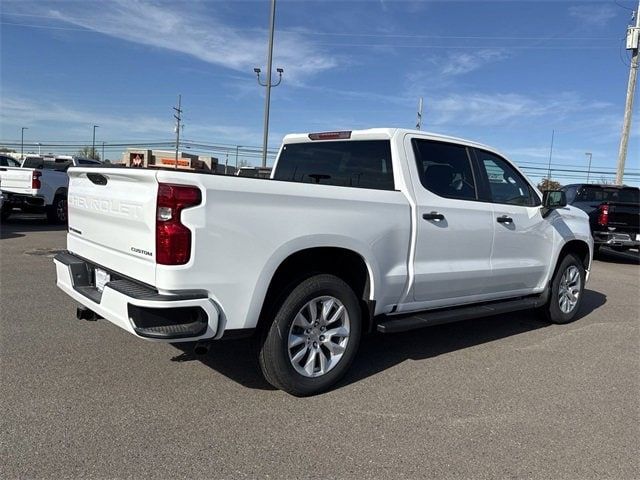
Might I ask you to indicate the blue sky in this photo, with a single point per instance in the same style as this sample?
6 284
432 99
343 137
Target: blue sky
505 73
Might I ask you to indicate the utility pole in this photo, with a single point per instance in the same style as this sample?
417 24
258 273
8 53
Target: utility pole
553 132
22 142
93 142
267 100
589 170
178 117
419 121
633 40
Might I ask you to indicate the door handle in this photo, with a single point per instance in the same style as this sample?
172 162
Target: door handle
3 169
505 219
435 216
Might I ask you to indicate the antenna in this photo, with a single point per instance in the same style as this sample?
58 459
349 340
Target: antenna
419 121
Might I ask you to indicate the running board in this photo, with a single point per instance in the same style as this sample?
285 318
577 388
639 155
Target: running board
411 321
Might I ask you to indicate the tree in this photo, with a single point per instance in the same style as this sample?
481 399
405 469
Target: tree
548 184
88 152
7 150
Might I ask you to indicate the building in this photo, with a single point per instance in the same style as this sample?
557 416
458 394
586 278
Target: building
143 158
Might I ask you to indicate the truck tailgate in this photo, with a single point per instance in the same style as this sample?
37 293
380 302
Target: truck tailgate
624 216
112 216
16 180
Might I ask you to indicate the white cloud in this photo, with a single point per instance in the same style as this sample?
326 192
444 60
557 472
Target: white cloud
186 28
462 63
66 122
592 15
17 110
483 109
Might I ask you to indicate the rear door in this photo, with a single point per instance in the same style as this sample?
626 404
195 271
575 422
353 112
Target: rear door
523 239
112 216
454 227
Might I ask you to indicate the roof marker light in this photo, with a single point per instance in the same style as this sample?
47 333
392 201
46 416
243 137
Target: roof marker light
330 135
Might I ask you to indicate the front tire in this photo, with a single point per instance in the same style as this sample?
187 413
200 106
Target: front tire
314 337
57 212
567 288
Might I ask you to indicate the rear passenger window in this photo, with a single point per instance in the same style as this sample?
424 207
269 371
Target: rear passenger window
356 163
445 169
506 184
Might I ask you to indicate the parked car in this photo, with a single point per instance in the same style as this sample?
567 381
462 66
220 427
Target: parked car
356 231
36 186
614 213
39 184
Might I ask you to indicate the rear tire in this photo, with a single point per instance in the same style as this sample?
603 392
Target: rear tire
57 211
567 288
5 213
314 337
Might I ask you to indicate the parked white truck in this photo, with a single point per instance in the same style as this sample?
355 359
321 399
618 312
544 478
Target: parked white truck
374 230
39 185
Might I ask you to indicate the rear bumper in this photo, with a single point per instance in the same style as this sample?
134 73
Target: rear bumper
616 239
21 199
137 308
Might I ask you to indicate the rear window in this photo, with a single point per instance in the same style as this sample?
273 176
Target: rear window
40 164
8 162
604 194
359 164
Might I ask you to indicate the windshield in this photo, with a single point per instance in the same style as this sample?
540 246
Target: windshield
604 194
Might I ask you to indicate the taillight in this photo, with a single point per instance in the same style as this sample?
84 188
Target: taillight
603 215
173 239
35 179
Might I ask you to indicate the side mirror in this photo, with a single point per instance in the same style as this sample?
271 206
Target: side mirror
553 199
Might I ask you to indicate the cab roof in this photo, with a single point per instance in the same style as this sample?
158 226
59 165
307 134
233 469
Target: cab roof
377 134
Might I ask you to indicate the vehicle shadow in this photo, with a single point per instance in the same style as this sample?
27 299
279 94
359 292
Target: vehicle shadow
630 257
17 225
236 359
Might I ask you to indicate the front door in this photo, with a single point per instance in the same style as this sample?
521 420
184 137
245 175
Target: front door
523 239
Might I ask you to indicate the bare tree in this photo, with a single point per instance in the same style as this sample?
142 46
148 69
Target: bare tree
88 152
548 184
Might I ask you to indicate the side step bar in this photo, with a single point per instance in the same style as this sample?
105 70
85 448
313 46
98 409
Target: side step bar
411 321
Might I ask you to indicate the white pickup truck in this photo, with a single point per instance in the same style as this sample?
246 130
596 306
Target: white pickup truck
39 185
375 230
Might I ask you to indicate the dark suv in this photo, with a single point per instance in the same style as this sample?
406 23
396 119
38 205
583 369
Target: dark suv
614 213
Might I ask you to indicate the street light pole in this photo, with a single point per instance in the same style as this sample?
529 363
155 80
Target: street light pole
589 170
22 142
267 100
93 142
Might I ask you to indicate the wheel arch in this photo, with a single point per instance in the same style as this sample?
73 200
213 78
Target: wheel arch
343 262
61 191
580 248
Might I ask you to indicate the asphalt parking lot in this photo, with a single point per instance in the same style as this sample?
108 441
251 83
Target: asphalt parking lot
503 397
